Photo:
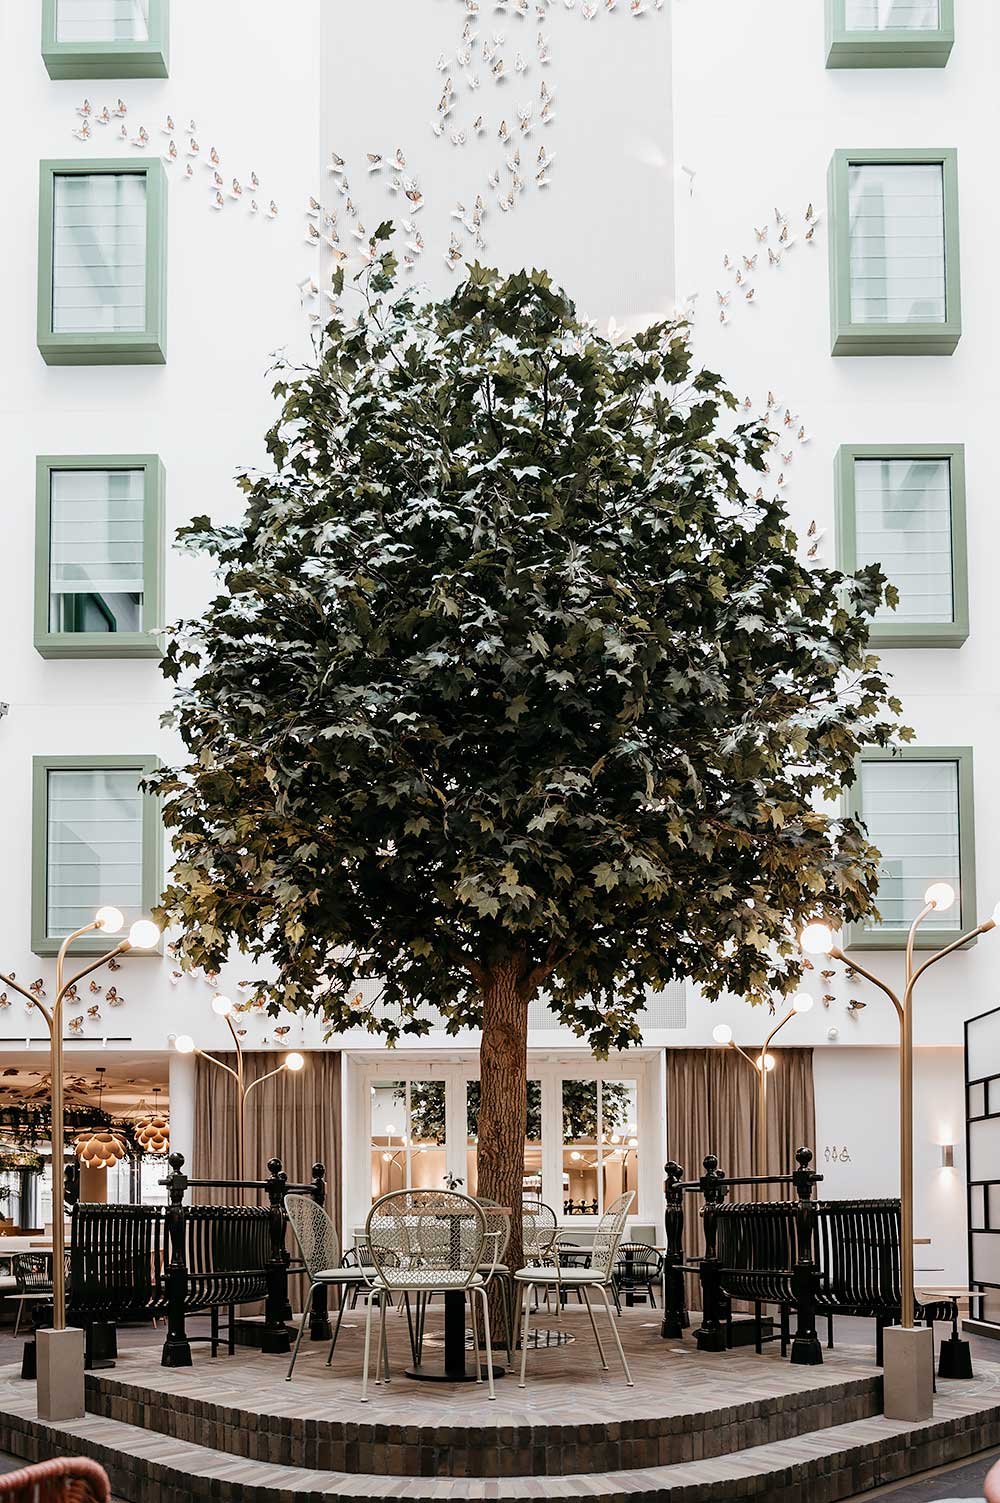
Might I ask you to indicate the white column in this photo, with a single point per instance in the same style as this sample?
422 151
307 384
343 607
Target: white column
181 1088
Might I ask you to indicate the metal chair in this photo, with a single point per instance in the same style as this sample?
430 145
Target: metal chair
32 1280
426 1242
319 1245
638 1269
494 1268
598 1276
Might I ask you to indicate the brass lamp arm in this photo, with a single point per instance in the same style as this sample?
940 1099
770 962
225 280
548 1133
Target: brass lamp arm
218 1062
751 1062
261 1079
29 997
776 1029
95 965
956 944
869 976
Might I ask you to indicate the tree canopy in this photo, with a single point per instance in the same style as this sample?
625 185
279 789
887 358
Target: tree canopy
514 661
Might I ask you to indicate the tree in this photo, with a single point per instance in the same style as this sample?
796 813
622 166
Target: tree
514 684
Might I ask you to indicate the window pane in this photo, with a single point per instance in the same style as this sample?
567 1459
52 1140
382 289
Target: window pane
619 1139
897 243
94 846
102 20
428 1165
99 252
911 810
903 522
892 15
388 1148
580 1158
95 554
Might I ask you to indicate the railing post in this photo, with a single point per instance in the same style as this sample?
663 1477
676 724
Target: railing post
319 1318
176 1347
274 1339
806 1348
675 1316
711 1335
71 1182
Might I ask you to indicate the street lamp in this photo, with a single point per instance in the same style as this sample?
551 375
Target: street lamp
143 935
185 1044
817 939
762 1064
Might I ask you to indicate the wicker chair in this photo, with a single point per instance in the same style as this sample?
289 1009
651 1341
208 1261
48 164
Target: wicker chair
33 1281
65 1479
597 1276
316 1236
638 1270
426 1242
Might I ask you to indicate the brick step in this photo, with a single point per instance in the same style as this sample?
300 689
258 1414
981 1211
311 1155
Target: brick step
825 1465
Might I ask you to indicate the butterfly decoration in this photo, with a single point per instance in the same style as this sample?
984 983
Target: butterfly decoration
94 1013
141 139
855 1006
114 965
75 1025
761 233
113 997
70 994
4 1000
284 1029
37 988
827 998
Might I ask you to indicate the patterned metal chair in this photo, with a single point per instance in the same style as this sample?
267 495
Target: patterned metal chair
494 1267
597 1276
426 1242
319 1245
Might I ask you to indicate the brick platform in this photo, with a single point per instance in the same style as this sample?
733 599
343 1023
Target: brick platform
698 1427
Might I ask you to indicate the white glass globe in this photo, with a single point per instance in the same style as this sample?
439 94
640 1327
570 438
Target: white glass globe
801 1002
390 1128
769 1062
816 939
144 935
184 1043
294 1061
941 895
722 1033
111 920
222 1006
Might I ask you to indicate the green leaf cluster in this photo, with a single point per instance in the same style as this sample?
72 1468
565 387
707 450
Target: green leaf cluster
512 663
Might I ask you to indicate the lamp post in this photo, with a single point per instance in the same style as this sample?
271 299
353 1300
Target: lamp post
185 1044
60 1351
762 1064
817 939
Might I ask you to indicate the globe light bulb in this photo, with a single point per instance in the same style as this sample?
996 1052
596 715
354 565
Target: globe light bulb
576 1157
769 1062
816 939
222 1006
184 1043
633 1142
144 935
722 1033
110 920
941 895
294 1061
390 1128
387 1158
801 1002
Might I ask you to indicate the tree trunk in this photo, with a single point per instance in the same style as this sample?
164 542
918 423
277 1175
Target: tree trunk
503 1099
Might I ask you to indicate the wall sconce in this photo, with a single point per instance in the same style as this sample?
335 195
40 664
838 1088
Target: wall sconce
947 1155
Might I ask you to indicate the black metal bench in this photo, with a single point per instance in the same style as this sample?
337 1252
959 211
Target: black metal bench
137 1263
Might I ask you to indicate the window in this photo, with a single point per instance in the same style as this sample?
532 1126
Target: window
102 263
894 267
99 556
903 507
600 1145
408 1135
889 33
917 806
96 839
105 38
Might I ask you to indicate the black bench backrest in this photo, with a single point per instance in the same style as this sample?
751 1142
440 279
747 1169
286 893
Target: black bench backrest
227 1250
858 1254
116 1259
755 1248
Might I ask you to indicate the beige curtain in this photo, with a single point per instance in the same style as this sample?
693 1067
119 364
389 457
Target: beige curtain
293 1117
712 1108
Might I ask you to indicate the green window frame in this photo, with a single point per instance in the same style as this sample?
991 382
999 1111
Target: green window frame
151 866
964 914
888 47
145 346
110 644
148 58
850 337
890 632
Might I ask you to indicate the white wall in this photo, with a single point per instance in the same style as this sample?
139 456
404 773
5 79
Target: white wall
857 1110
